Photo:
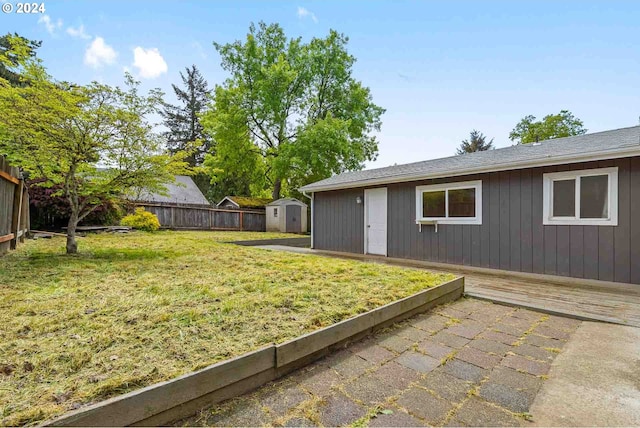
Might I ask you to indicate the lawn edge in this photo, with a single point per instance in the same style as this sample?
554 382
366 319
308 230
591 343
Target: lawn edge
177 398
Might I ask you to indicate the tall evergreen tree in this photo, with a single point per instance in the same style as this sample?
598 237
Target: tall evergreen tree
185 130
476 143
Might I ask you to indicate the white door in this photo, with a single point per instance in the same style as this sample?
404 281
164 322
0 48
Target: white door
375 219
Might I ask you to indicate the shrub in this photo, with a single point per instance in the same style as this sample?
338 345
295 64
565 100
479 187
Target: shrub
141 220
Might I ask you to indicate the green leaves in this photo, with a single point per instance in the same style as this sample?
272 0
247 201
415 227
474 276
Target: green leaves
296 103
96 142
563 124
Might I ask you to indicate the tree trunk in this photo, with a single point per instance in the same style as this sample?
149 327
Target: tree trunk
72 245
277 186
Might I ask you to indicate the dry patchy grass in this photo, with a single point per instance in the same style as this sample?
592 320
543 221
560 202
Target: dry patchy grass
132 310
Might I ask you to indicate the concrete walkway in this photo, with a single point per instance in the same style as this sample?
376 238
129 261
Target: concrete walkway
595 381
470 363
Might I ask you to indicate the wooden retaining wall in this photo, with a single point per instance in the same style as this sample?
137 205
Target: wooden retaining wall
14 207
205 218
169 401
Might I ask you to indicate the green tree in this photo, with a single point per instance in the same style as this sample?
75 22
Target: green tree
95 141
476 143
563 124
25 48
298 106
185 132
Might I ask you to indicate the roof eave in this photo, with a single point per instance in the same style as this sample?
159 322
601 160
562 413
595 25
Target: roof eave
604 155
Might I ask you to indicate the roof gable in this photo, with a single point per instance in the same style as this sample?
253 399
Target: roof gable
183 191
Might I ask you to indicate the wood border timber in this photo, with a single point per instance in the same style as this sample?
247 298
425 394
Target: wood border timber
168 401
9 178
6 238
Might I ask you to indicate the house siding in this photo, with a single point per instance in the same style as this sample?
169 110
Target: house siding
512 235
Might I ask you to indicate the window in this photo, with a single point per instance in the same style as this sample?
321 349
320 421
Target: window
587 197
453 203
275 212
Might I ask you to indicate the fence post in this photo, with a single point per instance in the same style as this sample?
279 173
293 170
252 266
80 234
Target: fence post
241 220
17 213
26 221
172 217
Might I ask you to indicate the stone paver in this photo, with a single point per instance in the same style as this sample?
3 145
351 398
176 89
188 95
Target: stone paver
497 336
432 323
434 349
478 358
544 342
396 419
520 363
464 371
425 405
373 352
476 413
448 339
555 333
299 422
470 363
514 379
446 386
395 343
507 397
319 380
280 400
534 352
338 410
490 346
418 362
396 375
350 365
413 334
369 389
468 330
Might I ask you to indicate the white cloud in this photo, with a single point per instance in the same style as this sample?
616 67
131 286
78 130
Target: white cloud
49 24
305 13
149 62
78 32
99 54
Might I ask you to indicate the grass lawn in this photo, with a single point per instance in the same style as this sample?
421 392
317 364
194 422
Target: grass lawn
132 310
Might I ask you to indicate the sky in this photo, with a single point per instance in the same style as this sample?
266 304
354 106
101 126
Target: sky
440 69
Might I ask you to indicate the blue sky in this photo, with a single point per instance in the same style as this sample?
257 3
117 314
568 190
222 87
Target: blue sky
440 69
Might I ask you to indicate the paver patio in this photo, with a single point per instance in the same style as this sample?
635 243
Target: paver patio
471 362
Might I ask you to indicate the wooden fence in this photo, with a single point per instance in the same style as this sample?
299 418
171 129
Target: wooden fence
205 218
14 207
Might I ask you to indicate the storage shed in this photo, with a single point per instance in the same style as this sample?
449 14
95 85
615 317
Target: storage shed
287 215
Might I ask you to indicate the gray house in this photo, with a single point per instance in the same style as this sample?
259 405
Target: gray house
567 207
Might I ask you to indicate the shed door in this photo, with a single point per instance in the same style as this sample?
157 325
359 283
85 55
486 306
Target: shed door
293 219
375 217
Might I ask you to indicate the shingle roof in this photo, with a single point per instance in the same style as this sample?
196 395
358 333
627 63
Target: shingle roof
605 144
247 201
183 191
287 201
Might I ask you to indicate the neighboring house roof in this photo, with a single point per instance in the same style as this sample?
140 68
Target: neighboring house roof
617 143
245 201
183 191
286 201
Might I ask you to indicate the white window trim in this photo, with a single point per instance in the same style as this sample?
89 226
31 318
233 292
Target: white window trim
476 184
548 180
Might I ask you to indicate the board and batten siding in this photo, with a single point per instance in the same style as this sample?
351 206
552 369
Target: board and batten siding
511 237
